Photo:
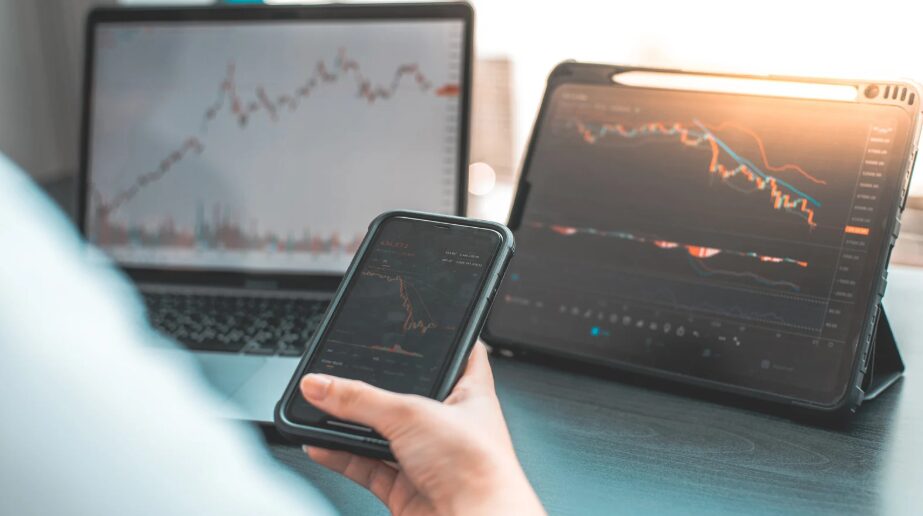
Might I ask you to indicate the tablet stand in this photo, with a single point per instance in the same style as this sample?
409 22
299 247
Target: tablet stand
885 365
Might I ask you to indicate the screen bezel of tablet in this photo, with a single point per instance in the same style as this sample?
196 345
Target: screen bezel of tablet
850 395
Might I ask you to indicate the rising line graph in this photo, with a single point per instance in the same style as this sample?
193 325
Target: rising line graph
231 102
344 66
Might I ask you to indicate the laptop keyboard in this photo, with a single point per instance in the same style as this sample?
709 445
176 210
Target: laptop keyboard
252 325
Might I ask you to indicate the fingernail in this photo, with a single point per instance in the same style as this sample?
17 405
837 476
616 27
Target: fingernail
315 386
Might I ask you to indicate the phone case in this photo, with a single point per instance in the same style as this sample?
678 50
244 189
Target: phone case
379 448
572 72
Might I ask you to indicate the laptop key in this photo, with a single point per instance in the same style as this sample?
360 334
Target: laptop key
221 345
251 349
251 325
291 351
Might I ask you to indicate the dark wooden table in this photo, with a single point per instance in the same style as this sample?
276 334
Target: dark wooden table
591 445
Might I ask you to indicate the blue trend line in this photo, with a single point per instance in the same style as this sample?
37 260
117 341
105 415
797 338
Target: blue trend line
748 163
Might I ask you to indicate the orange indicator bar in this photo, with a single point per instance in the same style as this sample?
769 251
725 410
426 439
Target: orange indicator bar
857 230
448 90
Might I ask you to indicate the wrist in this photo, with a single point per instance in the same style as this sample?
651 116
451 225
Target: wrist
499 490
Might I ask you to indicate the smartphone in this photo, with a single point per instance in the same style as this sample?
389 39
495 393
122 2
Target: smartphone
405 317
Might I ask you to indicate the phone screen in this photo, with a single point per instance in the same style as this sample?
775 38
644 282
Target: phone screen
404 310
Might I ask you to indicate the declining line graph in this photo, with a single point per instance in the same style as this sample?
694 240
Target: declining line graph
703 270
782 194
765 159
696 254
669 297
411 323
703 234
417 321
230 101
398 319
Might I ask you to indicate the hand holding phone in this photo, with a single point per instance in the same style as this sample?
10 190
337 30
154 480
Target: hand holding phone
404 319
454 457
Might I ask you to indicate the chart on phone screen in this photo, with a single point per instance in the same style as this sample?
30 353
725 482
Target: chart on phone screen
405 307
268 146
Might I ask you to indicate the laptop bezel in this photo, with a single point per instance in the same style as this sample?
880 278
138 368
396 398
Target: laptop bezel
460 11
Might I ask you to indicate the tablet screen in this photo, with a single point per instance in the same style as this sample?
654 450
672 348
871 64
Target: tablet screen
729 238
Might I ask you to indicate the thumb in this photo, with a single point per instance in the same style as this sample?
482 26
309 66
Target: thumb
359 402
478 376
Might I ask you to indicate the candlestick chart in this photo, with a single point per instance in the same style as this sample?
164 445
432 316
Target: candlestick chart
706 193
743 175
697 208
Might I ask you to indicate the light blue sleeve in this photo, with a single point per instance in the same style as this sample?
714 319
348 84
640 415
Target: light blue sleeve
91 420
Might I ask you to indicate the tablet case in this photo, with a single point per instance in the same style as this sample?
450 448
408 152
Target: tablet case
884 365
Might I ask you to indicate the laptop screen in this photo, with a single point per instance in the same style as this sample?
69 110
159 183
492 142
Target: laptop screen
268 146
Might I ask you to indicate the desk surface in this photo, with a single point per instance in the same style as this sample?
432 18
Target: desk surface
596 446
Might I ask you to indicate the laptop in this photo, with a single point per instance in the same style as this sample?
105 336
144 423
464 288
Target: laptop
233 157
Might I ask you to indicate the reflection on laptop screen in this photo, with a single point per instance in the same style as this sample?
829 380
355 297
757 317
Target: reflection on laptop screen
268 146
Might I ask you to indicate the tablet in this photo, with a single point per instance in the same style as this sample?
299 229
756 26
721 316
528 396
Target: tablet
726 231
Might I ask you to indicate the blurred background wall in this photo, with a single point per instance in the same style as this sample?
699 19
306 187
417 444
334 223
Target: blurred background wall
518 42
41 45
41 48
